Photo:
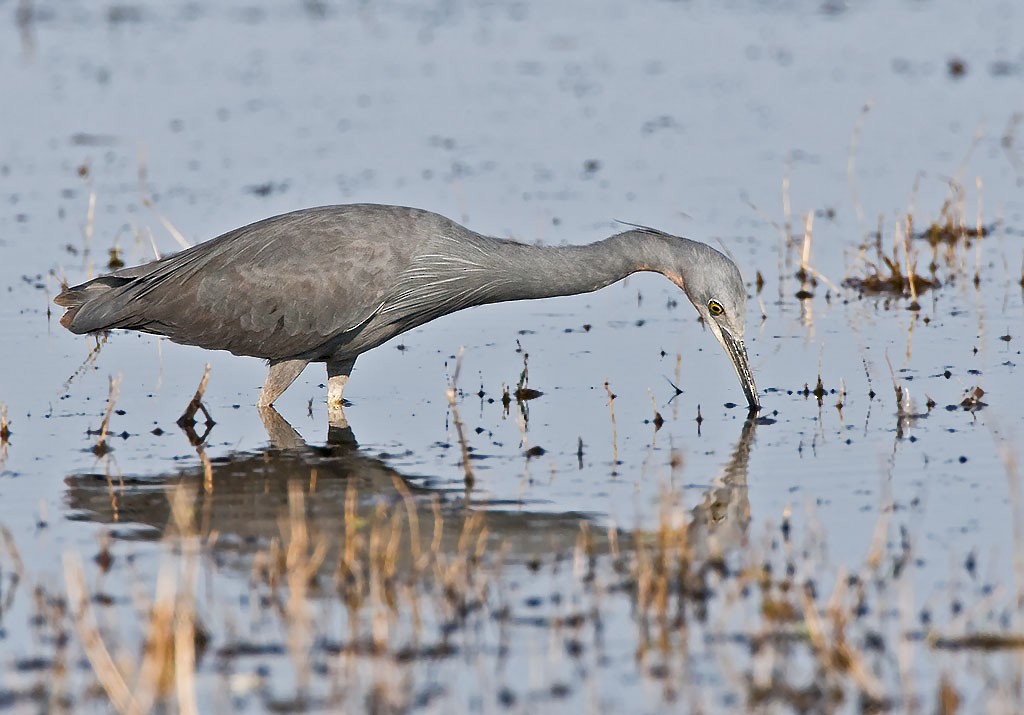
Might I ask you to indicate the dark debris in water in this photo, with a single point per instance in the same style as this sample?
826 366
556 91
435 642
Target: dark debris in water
894 282
950 232
981 642
244 649
972 400
524 394
267 188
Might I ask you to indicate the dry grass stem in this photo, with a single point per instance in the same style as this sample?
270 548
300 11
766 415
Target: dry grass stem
148 203
5 433
886 274
851 160
196 405
615 430
1008 142
90 359
786 204
807 271
88 229
903 238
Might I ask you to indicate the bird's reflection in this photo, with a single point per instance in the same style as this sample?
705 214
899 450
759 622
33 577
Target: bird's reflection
241 498
720 521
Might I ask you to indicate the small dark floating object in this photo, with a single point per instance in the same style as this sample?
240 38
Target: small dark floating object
536 451
506 698
981 641
266 189
804 294
241 649
957 67
527 393
951 232
972 400
30 665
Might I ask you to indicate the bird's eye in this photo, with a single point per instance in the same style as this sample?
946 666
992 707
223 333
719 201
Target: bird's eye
715 308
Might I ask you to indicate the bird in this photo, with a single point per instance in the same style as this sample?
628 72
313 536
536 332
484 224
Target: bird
329 283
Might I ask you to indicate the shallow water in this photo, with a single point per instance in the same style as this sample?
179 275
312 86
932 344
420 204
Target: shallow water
539 121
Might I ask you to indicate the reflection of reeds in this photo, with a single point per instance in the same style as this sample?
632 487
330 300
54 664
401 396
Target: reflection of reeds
452 394
172 634
416 585
101 447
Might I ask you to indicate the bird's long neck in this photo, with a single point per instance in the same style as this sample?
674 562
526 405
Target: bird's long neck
523 271
466 269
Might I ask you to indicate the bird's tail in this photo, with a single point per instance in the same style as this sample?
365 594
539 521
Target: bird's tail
76 297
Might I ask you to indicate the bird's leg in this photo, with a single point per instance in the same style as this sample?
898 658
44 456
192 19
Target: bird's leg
282 374
337 377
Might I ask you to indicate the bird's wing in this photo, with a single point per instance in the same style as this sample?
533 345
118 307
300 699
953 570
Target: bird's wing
276 289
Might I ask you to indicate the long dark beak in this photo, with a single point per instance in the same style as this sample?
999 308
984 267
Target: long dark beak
738 354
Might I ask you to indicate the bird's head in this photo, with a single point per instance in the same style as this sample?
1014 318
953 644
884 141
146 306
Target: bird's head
713 284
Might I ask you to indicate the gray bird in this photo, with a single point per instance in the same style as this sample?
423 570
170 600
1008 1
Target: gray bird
327 284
